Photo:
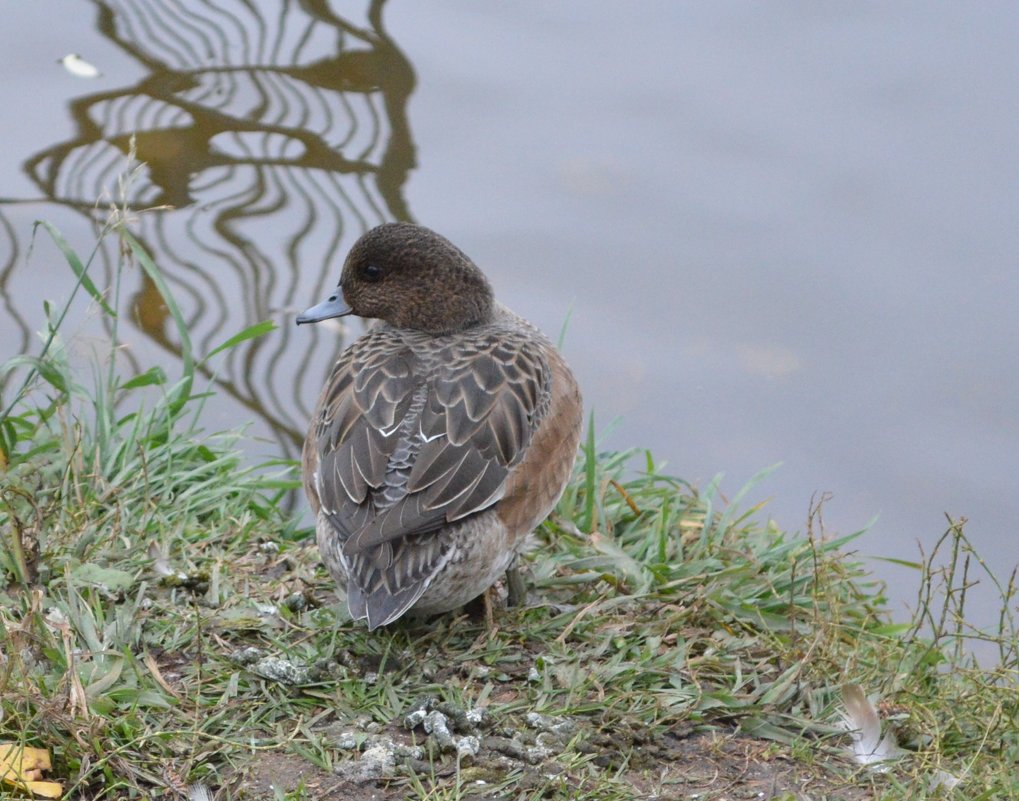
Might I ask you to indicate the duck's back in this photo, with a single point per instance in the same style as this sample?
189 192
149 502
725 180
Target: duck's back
421 441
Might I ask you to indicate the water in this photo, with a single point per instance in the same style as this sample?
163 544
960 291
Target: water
787 233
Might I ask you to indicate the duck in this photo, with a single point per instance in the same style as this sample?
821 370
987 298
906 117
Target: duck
443 436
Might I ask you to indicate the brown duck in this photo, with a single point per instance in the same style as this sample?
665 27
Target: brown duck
443 436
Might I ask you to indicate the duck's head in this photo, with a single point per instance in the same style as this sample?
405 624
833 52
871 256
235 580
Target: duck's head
411 277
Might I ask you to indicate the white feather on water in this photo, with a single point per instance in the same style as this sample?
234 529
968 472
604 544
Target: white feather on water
79 67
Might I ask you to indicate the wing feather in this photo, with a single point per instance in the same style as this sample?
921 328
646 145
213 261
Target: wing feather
413 438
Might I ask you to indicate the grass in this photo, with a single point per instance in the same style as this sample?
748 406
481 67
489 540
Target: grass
163 623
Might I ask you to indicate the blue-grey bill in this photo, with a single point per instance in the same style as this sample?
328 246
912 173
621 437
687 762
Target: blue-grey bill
333 306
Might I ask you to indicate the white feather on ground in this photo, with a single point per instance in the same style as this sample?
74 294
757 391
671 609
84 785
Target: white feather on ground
161 565
942 778
199 792
861 720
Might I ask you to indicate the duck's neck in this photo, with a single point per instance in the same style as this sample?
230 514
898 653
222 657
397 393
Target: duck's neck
459 313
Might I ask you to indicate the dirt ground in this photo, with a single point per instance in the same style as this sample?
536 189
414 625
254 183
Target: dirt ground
702 766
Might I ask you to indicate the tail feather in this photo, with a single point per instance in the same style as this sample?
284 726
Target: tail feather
382 607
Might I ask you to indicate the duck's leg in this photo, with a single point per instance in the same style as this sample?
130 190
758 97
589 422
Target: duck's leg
483 607
516 589
488 602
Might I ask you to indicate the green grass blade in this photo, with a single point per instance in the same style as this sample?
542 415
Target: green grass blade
251 332
75 263
590 479
181 397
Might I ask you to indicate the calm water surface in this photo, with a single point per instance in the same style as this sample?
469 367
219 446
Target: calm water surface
787 233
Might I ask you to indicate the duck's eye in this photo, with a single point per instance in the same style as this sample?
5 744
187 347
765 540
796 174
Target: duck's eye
372 272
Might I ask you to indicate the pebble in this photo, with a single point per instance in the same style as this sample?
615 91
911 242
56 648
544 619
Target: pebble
280 670
479 717
347 741
467 746
296 602
437 725
561 727
247 656
377 761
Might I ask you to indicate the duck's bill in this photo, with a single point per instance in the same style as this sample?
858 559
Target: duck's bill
333 306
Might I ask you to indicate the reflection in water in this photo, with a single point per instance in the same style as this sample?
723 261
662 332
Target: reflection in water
9 257
277 131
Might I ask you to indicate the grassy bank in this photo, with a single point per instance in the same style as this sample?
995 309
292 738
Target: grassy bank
163 625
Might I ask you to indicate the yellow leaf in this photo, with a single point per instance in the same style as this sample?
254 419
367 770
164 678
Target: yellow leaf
22 766
45 789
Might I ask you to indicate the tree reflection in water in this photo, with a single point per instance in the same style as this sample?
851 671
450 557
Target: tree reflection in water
277 132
